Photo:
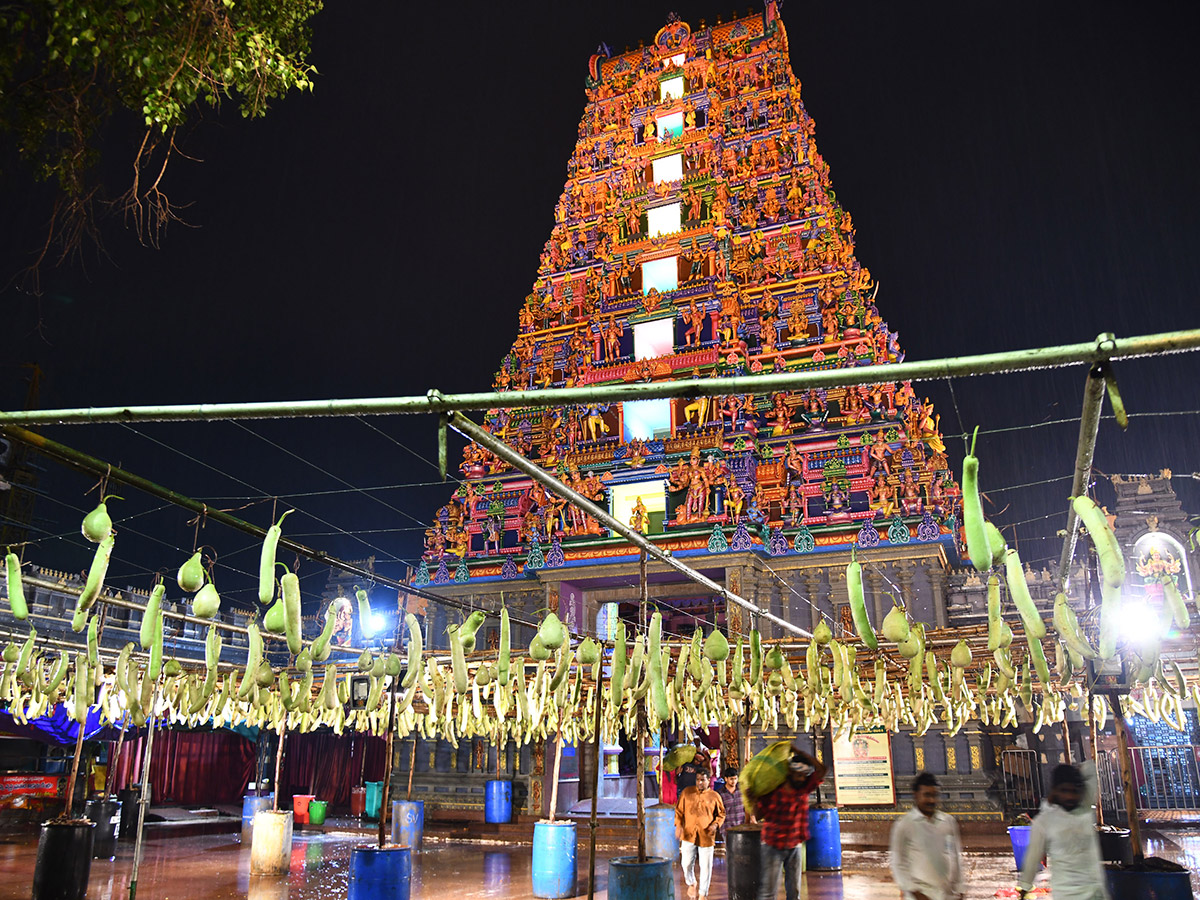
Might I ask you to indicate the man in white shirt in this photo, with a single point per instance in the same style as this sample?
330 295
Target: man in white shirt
926 852
1065 830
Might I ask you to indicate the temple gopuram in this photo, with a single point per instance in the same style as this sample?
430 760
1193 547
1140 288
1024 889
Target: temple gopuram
697 236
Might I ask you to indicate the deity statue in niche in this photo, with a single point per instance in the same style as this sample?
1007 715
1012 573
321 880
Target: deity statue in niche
910 494
640 520
879 404
779 417
878 455
493 535
927 427
935 496
594 421
814 413
882 496
612 338
797 321
793 462
693 316
735 500
837 503
854 411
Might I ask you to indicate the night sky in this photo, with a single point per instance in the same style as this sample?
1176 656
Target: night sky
1019 174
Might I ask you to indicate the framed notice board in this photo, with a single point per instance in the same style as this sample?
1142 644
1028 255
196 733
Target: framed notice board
862 769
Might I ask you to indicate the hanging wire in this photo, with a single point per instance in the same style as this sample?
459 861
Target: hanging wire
327 473
383 554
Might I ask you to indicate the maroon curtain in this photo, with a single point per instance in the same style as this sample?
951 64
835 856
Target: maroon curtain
190 768
327 765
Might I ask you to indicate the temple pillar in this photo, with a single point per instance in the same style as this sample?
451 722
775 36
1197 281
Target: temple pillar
937 581
904 579
876 583
812 588
736 618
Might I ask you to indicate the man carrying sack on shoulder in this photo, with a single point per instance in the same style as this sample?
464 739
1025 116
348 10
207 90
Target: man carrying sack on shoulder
784 816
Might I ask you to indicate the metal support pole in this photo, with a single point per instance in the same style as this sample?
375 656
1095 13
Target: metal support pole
143 800
469 429
641 781
93 466
1104 348
643 590
1085 452
592 824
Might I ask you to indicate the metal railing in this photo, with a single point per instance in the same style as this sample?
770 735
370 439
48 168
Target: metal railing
1164 778
1021 782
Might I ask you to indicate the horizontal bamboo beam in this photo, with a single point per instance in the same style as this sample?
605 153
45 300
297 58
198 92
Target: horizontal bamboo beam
1104 348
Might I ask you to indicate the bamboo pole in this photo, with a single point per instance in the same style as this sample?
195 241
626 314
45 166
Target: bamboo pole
554 777
1105 347
592 823
641 782
412 764
278 764
68 806
387 762
1085 452
90 674
1135 831
113 760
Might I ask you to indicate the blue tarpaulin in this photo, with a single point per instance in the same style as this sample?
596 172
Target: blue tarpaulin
56 728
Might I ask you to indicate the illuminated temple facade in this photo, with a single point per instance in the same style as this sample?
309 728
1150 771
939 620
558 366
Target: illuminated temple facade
697 236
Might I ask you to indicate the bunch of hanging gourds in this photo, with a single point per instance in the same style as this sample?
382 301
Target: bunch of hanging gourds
552 690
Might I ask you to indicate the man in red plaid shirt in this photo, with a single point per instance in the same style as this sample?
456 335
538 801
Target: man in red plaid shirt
784 817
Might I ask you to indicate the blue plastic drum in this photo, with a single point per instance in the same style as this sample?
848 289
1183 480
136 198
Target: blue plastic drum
660 832
824 850
380 874
629 879
554 859
408 823
252 803
497 802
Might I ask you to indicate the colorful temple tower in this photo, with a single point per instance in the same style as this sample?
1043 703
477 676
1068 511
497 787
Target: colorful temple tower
698 235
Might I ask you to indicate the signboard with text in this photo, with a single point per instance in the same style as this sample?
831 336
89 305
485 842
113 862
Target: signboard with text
29 785
862 768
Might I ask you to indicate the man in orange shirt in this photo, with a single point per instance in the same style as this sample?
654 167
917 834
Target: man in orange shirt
699 812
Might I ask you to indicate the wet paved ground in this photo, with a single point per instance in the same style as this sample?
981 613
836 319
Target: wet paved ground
216 867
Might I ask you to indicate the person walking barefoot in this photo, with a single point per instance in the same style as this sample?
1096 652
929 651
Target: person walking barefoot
698 814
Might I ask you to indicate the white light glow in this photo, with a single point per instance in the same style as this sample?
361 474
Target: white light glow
664 220
371 624
1139 624
644 419
668 168
651 339
670 88
670 127
662 274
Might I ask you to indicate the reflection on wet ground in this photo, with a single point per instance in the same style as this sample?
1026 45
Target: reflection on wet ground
216 867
